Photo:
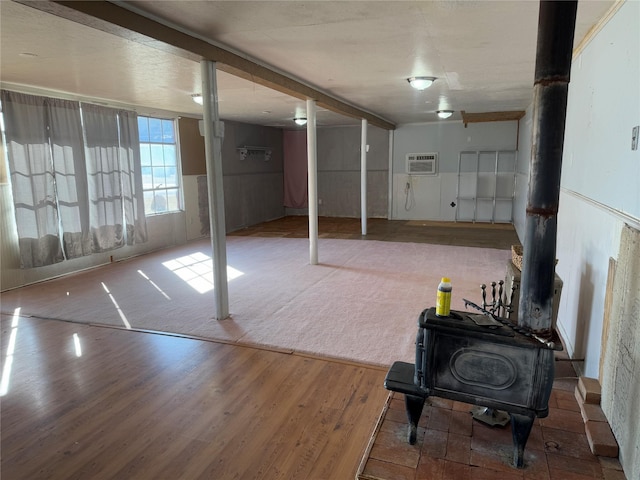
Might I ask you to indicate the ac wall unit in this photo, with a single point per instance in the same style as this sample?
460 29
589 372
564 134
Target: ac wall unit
422 163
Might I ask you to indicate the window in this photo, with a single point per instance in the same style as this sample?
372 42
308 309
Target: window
160 169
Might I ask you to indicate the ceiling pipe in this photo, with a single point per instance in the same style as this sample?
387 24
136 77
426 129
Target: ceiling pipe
556 26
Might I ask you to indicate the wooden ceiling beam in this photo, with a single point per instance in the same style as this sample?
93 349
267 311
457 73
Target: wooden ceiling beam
491 116
116 20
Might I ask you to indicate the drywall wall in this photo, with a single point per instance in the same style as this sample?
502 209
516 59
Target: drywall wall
339 171
588 235
600 194
429 197
590 220
253 185
338 155
604 95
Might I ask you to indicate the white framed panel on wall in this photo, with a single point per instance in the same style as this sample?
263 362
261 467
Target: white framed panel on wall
486 185
503 212
484 210
466 210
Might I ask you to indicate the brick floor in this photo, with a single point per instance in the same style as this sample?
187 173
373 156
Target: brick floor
451 445
590 390
601 439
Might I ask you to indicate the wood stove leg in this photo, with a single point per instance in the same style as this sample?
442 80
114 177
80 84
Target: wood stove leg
414 406
520 428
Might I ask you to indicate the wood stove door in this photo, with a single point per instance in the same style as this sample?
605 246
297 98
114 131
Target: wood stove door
458 366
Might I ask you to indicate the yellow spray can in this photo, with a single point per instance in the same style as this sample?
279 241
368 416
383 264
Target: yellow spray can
443 300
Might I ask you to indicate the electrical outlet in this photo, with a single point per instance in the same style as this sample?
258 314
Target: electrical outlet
634 137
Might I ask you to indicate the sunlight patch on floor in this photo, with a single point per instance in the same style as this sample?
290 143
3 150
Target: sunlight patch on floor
8 361
119 310
154 285
76 345
197 271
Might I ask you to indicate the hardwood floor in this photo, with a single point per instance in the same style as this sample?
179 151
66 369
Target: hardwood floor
87 402
485 235
133 405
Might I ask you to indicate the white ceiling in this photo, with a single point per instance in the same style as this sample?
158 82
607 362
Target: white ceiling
361 52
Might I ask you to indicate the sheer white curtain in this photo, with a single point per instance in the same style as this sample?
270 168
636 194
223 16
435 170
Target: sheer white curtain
131 168
32 179
67 148
103 177
85 190
116 209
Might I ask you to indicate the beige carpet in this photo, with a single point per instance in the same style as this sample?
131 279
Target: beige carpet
361 303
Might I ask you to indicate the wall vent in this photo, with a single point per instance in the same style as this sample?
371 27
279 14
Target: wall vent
422 163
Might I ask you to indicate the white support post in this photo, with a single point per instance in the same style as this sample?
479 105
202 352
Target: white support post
312 167
363 177
390 194
213 135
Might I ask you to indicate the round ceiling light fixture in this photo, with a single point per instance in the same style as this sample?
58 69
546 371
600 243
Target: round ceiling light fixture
197 97
300 121
420 83
444 113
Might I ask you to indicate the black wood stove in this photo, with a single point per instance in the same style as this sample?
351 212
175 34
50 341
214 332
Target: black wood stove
478 359
486 360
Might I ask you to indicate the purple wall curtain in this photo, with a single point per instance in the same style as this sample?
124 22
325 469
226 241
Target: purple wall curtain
295 169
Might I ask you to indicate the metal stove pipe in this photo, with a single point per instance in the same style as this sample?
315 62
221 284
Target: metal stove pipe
556 25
